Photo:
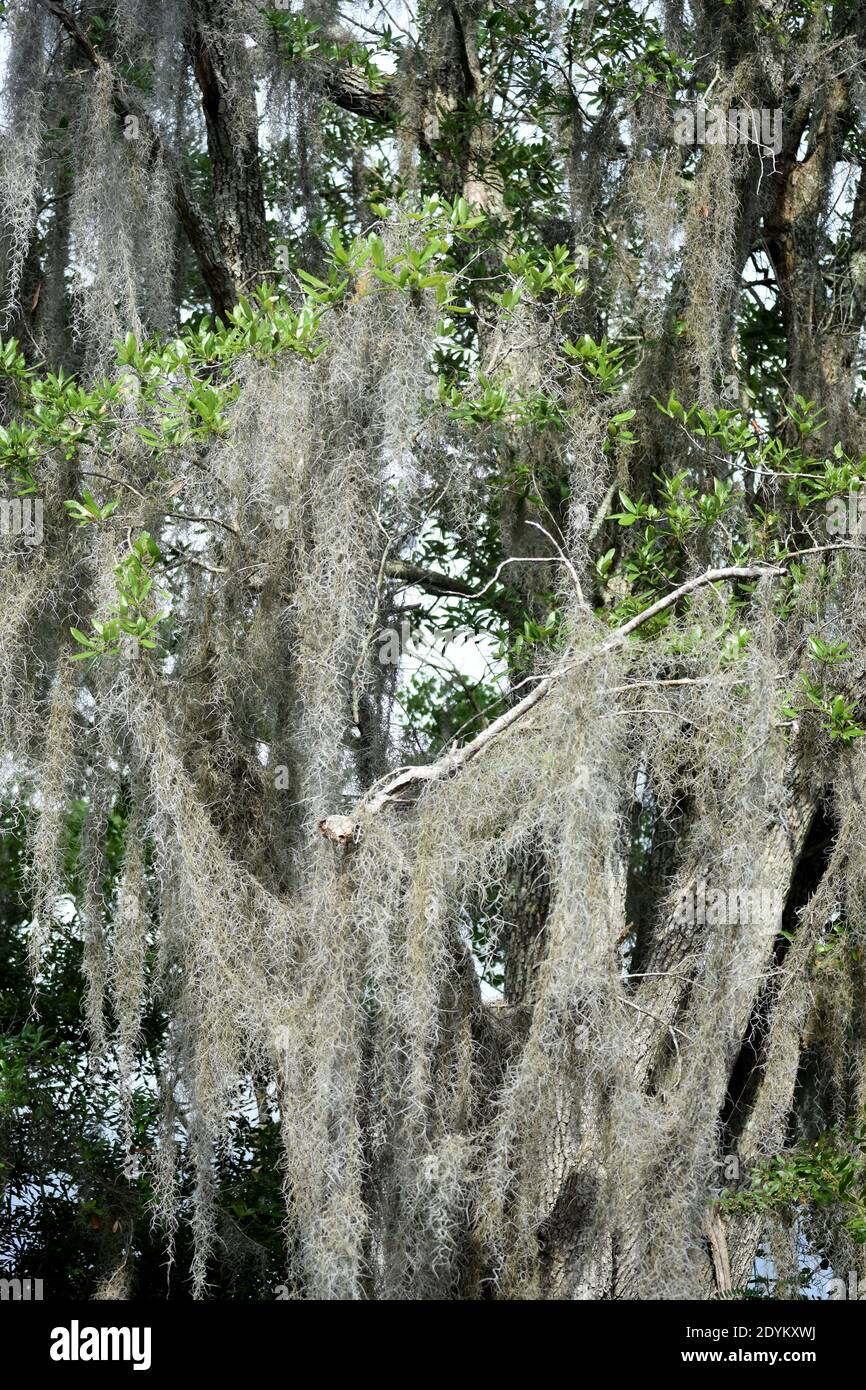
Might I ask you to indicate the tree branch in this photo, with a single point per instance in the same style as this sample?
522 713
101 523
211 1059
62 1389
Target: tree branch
224 79
202 236
389 790
346 89
431 580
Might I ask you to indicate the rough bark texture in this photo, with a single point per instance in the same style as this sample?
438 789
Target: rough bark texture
225 80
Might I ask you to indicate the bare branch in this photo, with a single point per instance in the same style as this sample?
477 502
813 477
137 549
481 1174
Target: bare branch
431 580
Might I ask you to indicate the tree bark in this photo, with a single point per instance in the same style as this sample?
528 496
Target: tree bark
225 81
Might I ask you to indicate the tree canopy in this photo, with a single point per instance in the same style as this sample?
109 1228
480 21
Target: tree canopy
432 643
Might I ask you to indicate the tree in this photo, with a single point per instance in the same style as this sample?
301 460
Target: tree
326 330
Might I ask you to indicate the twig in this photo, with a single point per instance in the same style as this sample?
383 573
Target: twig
202 520
819 549
118 482
565 560
199 564
649 1014
651 685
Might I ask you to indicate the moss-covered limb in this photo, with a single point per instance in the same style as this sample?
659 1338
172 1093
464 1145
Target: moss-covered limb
689 1090
227 86
215 269
798 1089
577 394
451 762
801 190
69 23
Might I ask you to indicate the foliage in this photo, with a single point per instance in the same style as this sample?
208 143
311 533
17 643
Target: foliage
320 330
831 1172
